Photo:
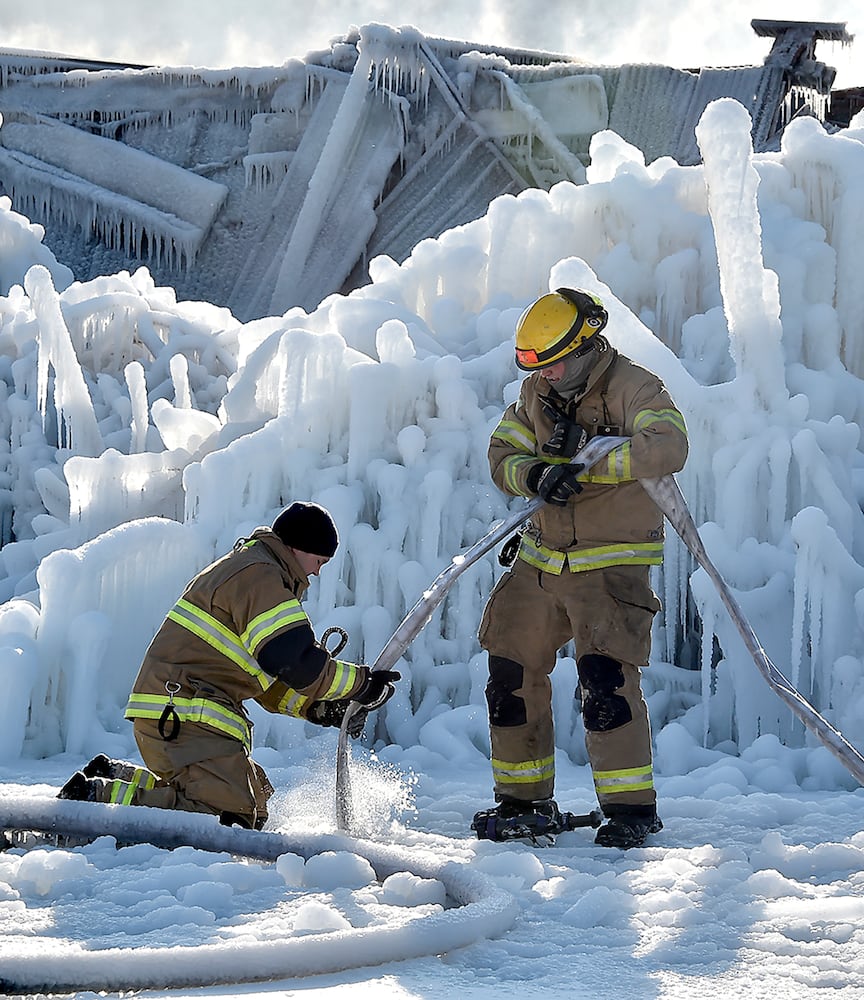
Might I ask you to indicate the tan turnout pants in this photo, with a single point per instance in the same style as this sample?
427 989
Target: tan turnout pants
200 771
530 615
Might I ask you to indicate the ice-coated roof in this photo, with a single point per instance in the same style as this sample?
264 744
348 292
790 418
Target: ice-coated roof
265 188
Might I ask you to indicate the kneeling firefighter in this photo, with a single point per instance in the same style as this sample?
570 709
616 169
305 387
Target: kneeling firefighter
581 571
237 633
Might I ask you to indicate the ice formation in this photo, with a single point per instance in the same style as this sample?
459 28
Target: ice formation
143 435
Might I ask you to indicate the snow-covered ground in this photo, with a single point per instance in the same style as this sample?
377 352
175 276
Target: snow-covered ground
143 436
754 889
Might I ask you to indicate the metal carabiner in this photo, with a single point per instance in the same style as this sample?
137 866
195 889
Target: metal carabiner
169 715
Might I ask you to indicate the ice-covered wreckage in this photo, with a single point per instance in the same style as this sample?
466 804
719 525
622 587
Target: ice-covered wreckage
263 189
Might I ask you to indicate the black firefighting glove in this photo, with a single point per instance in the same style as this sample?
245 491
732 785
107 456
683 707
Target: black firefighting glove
331 713
379 688
555 483
566 439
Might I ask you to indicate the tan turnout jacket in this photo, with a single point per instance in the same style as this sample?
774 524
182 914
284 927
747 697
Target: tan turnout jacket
612 522
202 661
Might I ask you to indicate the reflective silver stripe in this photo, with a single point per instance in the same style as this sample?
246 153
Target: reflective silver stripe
265 624
149 706
548 560
619 462
144 778
222 639
641 554
202 710
512 466
518 435
615 468
292 703
631 779
124 791
121 792
345 678
524 440
581 560
507 772
645 418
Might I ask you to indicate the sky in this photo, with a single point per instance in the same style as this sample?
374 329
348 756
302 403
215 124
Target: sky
141 435
223 33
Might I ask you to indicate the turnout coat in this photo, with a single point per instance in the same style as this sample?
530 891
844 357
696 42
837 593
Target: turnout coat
613 521
239 632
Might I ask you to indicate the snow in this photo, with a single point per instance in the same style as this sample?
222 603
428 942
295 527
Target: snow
141 436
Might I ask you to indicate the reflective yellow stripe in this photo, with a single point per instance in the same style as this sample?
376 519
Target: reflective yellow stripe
510 773
645 418
220 638
518 435
292 703
121 792
345 678
549 560
202 710
615 468
581 560
631 779
264 625
524 440
512 466
142 778
641 554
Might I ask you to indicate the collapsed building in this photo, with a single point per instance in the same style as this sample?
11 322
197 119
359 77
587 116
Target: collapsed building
262 189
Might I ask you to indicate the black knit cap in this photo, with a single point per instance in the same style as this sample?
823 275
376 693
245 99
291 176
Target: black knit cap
307 527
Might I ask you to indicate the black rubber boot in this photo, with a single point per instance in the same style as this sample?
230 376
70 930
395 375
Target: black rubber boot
79 788
102 766
628 826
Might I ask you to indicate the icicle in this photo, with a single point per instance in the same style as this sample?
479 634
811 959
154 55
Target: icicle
77 427
180 377
750 291
137 385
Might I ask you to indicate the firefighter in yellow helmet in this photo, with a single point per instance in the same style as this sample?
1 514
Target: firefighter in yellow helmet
581 571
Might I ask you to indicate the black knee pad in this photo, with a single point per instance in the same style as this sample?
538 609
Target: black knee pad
599 677
505 677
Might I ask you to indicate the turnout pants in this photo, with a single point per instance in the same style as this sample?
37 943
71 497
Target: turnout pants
530 615
199 771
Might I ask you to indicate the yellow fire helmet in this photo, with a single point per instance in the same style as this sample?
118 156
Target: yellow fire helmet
556 325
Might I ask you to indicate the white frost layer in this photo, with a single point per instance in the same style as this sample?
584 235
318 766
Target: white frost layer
481 910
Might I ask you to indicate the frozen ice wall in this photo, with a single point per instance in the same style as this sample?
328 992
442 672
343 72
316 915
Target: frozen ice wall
141 436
